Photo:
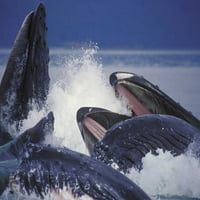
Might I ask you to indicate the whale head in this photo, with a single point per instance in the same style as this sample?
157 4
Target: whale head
143 97
26 77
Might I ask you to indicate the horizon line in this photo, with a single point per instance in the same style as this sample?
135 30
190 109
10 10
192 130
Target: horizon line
116 51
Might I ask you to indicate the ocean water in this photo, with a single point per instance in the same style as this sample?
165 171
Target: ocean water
81 78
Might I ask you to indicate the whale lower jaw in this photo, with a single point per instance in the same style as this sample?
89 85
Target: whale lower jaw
135 105
95 128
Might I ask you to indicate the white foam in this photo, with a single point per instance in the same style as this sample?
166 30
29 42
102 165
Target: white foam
168 175
82 83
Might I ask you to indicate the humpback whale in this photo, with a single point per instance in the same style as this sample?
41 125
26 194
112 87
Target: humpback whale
41 169
26 78
125 143
145 98
25 161
11 152
47 168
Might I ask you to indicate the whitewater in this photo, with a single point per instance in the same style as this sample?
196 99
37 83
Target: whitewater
82 79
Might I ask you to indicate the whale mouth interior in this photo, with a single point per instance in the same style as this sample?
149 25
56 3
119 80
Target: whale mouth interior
97 130
141 99
137 107
92 131
138 98
94 122
97 123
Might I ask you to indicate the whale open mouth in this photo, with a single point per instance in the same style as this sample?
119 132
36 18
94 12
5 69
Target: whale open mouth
95 128
94 122
143 97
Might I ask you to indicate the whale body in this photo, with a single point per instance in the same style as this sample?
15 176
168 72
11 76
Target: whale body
57 169
26 77
126 142
11 152
42 169
143 97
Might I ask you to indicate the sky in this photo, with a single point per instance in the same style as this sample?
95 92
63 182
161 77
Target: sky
112 24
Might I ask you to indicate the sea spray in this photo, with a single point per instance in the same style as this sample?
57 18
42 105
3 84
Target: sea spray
166 175
80 82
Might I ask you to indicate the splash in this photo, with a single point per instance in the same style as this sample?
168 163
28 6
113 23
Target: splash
166 175
80 82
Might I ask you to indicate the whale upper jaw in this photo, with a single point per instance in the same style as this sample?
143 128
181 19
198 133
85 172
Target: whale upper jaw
26 77
145 98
